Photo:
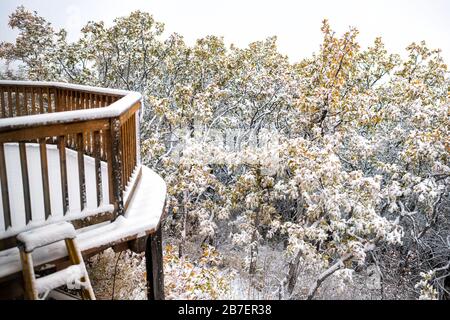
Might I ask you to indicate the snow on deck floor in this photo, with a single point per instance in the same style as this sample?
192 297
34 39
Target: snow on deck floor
143 214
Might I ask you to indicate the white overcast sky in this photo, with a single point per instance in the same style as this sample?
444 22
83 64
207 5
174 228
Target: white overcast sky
295 23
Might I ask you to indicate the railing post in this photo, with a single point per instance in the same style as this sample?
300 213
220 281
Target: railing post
114 156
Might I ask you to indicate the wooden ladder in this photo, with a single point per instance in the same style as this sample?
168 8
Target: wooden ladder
74 276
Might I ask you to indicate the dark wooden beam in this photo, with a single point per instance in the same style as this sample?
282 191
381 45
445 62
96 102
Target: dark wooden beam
25 181
45 181
5 191
63 172
154 266
98 168
81 175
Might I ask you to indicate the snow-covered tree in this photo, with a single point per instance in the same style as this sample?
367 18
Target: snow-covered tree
340 160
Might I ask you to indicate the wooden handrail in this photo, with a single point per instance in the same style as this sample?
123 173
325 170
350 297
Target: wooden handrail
98 122
25 104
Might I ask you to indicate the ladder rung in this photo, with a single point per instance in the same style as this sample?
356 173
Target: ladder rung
60 278
46 235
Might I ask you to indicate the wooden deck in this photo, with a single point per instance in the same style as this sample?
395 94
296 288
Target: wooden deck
70 152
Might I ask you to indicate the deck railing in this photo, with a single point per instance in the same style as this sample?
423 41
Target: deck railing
95 122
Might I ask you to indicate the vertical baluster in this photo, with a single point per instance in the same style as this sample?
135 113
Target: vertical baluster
84 104
25 181
57 98
62 99
65 95
87 136
2 101
74 107
131 144
44 172
127 162
98 168
41 101
130 147
54 99
130 160
78 97
90 135
125 153
91 142
66 100
63 170
134 141
133 138
66 106
86 143
33 101
10 103
49 101
91 101
5 190
81 177
17 101
70 108
30 100
102 145
69 100
123 162
25 102
95 104
100 142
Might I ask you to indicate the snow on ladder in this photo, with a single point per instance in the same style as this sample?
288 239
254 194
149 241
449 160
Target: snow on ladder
74 274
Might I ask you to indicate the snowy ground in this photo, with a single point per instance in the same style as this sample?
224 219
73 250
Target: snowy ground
124 274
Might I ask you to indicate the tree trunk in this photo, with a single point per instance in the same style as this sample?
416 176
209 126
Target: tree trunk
184 226
293 273
254 249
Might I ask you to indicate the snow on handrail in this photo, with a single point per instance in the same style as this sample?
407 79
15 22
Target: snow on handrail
64 85
113 110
